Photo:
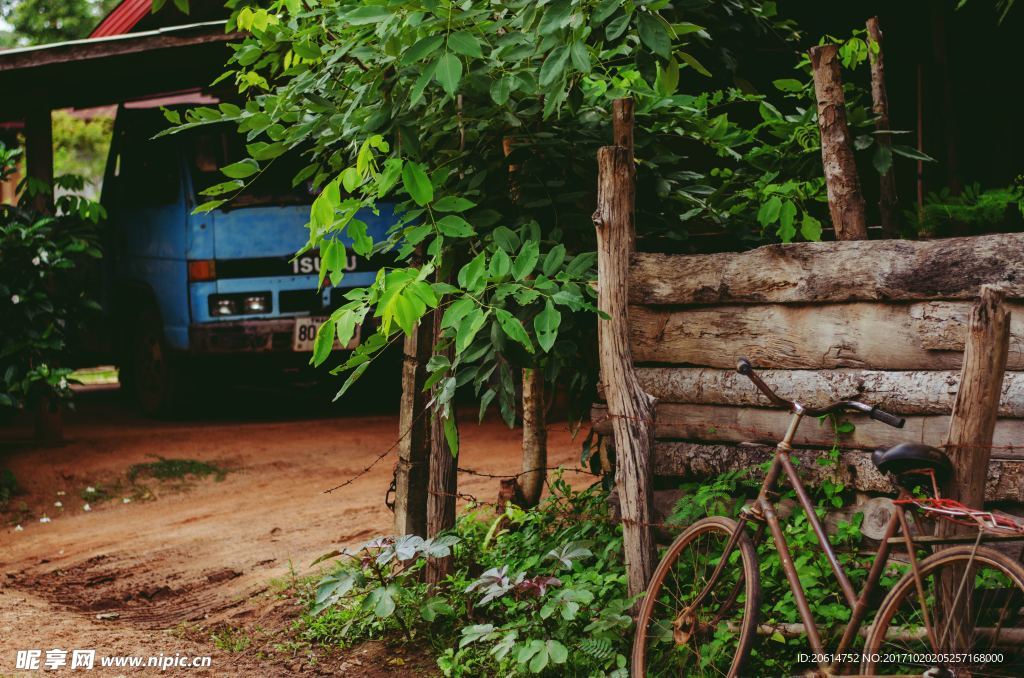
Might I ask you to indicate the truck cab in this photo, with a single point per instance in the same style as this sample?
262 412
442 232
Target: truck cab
190 292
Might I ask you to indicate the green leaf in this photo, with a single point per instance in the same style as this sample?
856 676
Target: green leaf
604 10
554 66
468 328
417 183
421 83
553 260
810 228
557 652
526 260
788 85
556 17
422 48
367 14
616 27
540 660
500 265
241 169
208 206
452 203
545 324
449 72
692 62
580 56
787 213
668 78
455 226
471 276
323 343
307 49
345 325
654 34
466 43
501 89
912 153
223 187
434 607
882 158
512 327
769 211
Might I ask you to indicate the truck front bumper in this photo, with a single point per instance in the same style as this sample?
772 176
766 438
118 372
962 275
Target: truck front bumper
272 335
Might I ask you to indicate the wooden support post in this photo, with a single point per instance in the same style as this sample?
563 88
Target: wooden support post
443 480
412 472
629 406
976 406
887 202
622 135
845 202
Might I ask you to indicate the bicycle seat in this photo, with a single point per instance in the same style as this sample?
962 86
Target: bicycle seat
908 457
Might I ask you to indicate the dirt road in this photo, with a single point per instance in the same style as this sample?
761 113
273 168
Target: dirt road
157 573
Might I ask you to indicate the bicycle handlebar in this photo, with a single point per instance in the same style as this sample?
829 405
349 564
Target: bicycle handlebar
746 369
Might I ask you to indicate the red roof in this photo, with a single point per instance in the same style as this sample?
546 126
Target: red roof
123 18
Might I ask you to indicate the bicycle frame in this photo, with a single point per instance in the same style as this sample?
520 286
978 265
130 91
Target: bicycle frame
763 512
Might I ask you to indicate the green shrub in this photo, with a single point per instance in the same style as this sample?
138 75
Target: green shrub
540 591
8 487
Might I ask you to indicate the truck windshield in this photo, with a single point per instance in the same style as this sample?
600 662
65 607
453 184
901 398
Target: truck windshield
210 149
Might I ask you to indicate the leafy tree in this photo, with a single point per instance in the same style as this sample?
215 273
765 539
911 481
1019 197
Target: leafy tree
38 22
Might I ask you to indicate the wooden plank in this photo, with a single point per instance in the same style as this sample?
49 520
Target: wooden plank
878 270
919 336
673 458
915 392
720 423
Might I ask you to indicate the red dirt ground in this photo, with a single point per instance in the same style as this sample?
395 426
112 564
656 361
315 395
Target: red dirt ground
161 573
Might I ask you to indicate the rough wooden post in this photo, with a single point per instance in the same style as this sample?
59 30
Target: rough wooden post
412 472
977 401
443 480
887 202
629 406
622 135
845 202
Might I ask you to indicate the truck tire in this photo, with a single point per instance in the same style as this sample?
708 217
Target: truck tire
156 379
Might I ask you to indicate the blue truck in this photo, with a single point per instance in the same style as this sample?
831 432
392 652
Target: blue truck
189 292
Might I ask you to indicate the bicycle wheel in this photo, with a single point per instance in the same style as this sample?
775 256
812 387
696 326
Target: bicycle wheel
674 637
970 623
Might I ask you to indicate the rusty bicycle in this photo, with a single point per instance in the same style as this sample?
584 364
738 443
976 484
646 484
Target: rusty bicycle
956 610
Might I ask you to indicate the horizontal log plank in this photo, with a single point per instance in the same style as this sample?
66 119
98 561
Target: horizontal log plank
915 392
673 458
720 423
880 270
918 336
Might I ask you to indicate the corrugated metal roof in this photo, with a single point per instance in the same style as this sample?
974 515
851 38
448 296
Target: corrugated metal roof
123 18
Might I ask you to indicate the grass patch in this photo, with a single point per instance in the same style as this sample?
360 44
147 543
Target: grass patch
231 639
175 469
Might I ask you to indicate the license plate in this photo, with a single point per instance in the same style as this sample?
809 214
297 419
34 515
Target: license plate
304 334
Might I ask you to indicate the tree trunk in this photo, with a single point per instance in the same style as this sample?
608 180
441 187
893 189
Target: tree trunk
622 135
888 209
443 478
535 439
969 447
845 202
631 409
412 472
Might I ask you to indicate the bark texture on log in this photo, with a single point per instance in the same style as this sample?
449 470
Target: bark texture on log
694 460
721 423
412 470
973 426
535 439
443 479
919 392
845 202
884 270
888 204
922 336
631 408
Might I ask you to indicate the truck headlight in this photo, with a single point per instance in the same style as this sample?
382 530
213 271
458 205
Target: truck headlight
249 303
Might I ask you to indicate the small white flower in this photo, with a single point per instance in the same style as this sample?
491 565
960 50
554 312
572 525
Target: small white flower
61 493
127 500
86 507
90 489
44 519
15 299
19 528
63 382
35 261
45 256
58 504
